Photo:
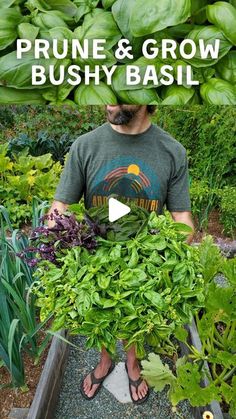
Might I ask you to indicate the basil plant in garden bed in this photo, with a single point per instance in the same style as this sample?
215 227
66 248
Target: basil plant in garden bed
135 279
216 325
113 20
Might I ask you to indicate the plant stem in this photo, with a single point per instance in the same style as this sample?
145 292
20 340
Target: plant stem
229 374
226 332
231 332
219 344
215 376
221 376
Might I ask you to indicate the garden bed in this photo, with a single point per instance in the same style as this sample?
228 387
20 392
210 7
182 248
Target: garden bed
213 407
43 381
11 397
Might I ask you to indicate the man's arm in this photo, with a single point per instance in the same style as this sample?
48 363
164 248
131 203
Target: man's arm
186 218
61 207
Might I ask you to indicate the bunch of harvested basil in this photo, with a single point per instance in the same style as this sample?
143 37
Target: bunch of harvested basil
141 283
113 20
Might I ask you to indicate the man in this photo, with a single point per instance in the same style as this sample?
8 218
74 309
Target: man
136 160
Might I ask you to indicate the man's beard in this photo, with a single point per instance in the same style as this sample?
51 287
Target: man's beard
123 116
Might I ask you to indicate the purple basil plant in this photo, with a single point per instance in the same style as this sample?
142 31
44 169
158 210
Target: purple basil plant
67 232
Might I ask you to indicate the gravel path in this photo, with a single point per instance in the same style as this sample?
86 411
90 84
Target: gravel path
72 405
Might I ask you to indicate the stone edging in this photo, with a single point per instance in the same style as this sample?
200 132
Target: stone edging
47 391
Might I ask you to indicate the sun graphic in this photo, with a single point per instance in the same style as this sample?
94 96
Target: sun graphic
134 169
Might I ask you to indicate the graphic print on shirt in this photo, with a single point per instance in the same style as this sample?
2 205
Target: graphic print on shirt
126 178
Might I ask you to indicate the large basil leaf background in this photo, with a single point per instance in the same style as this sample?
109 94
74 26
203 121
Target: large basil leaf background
112 20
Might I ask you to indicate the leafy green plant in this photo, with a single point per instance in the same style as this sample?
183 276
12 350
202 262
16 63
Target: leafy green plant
23 178
54 122
142 282
216 325
204 197
19 324
228 211
208 133
113 20
43 144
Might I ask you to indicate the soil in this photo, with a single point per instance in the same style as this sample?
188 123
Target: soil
15 397
215 229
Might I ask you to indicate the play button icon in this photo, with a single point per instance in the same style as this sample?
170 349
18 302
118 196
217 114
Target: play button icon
117 209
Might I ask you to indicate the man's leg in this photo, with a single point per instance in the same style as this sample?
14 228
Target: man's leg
134 374
100 370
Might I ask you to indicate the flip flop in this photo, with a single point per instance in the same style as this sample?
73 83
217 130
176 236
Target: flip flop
136 384
95 380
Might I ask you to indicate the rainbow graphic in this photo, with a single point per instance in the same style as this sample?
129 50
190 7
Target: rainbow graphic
126 177
139 179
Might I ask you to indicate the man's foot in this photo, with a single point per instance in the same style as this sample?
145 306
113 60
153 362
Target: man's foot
92 382
139 390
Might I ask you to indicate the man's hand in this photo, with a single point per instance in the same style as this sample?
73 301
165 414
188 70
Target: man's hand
186 218
61 207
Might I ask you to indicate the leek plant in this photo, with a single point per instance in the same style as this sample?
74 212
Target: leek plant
19 325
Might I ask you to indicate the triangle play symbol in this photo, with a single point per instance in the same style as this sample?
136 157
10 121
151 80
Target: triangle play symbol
117 209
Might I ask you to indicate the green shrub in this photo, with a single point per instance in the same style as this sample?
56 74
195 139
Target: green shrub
23 178
51 120
228 210
203 199
209 135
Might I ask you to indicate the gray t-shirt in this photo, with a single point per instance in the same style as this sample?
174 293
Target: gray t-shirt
149 168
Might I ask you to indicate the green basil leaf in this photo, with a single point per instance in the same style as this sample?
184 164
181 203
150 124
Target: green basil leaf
107 3
137 94
122 11
209 34
49 20
9 20
177 95
119 77
179 31
158 15
94 95
223 15
203 74
18 73
199 11
9 96
4 4
155 299
28 31
103 281
65 6
100 25
84 7
218 92
133 261
226 68
107 303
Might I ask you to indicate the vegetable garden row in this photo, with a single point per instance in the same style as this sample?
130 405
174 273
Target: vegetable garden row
207 133
136 280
